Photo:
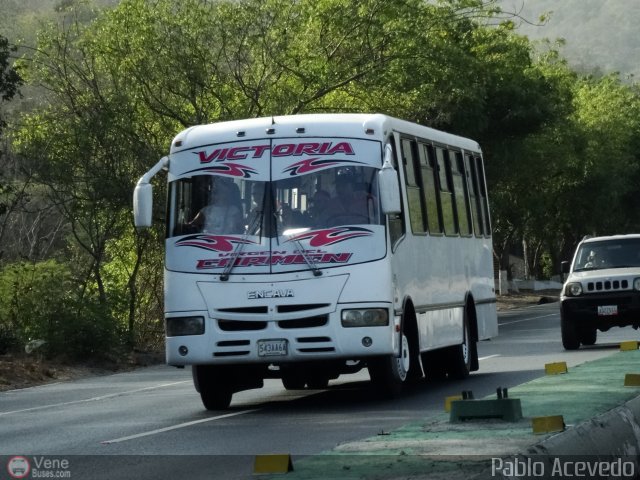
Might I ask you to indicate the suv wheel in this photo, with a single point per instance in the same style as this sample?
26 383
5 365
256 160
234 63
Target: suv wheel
569 330
588 336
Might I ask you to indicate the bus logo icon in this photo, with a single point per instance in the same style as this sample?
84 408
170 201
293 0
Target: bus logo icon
18 467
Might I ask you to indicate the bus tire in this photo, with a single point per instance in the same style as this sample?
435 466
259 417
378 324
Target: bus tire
389 374
434 364
215 393
318 382
292 380
461 356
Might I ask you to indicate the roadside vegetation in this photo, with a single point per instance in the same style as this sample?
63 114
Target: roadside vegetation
105 89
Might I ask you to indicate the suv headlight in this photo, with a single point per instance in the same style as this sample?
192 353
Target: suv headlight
573 289
636 283
365 317
179 326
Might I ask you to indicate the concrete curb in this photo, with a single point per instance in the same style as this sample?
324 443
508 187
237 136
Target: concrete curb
608 444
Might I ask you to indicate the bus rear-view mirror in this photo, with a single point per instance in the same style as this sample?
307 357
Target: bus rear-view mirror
389 187
142 205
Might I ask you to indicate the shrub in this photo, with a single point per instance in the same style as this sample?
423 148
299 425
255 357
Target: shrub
41 301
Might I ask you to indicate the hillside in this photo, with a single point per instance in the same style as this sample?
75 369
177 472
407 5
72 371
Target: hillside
20 20
600 35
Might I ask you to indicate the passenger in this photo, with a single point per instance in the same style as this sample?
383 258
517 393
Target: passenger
257 197
290 218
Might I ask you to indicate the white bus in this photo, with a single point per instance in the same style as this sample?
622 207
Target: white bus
303 247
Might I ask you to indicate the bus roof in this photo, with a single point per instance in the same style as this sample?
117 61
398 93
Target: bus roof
348 125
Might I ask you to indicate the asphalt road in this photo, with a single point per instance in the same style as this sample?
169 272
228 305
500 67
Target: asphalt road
150 423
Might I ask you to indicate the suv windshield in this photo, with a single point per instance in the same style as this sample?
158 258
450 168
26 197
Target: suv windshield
618 253
227 206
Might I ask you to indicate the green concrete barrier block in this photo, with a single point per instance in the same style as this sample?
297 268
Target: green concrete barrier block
507 409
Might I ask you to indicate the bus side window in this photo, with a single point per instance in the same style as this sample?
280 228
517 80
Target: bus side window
484 201
412 182
446 192
430 193
461 193
396 222
474 194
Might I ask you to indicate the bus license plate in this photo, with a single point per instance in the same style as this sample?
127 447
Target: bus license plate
606 310
272 348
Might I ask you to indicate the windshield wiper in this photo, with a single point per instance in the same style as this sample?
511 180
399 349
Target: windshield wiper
312 265
224 276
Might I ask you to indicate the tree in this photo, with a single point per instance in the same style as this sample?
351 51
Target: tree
10 80
120 87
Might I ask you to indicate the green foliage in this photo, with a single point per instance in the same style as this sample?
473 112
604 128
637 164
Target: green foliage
38 301
576 175
134 284
10 80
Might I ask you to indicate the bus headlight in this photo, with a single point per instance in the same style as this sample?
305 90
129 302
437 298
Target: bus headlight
179 326
573 289
636 283
365 317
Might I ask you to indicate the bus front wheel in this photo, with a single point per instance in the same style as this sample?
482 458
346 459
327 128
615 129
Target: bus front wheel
389 374
214 391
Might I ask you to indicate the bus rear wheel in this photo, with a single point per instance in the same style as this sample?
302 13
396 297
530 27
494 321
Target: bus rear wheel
461 357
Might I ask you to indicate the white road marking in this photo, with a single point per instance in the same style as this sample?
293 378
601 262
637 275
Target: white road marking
488 357
528 319
94 399
175 427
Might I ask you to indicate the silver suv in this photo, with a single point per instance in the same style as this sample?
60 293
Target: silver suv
602 289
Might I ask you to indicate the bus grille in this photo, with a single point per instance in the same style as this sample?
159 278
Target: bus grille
309 322
253 325
263 309
241 325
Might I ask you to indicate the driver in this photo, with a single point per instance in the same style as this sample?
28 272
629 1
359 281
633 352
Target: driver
594 260
222 215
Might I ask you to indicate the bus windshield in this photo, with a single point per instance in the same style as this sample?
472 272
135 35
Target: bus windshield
219 205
